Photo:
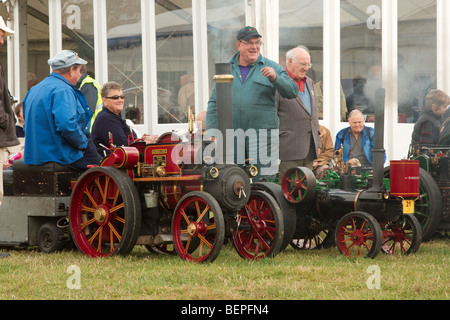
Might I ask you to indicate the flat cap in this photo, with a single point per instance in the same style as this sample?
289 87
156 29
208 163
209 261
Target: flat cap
65 59
247 33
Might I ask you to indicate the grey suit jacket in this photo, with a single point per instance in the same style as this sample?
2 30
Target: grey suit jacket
297 125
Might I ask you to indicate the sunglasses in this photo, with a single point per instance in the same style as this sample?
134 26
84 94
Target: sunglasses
115 97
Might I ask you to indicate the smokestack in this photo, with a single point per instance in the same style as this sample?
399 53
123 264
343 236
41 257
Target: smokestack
224 105
378 150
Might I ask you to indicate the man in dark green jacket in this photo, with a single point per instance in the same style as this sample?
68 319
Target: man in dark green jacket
256 80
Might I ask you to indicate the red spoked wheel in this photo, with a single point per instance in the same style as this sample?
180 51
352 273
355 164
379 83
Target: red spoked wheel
403 236
198 227
359 234
298 184
105 213
260 227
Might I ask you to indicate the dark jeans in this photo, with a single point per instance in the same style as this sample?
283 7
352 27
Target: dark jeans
90 157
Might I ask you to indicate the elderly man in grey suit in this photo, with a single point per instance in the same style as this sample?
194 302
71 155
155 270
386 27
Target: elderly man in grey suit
299 124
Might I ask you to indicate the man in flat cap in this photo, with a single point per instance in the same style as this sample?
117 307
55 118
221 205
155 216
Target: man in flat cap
256 79
7 120
57 117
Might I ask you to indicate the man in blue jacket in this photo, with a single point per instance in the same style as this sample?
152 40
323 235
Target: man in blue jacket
357 141
256 80
57 117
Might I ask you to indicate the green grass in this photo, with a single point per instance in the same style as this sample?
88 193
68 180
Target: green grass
292 275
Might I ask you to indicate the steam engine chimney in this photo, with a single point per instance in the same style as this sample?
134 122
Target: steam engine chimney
224 105
378 150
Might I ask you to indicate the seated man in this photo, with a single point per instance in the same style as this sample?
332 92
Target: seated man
109 121
58 117
357 141
320 165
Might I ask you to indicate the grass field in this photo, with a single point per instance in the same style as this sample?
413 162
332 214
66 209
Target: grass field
27 274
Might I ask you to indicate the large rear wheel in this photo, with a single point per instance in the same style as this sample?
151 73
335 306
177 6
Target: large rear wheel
105 213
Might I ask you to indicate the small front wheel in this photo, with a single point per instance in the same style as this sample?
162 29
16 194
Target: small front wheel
50 238
260 231
403 236
359 234
198 227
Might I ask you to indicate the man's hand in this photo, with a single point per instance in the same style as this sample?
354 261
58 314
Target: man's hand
354 162
269 73
315 164
150 138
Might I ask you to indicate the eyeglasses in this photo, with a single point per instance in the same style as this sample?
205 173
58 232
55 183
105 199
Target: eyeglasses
115 97
251 44
305 65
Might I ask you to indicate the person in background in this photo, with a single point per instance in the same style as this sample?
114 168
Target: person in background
18 110
186 94
299 124
19 149
256 80
92 91
357 141
427 128
201 119
32 80
358 99
320 165
57 117
109 121
8 136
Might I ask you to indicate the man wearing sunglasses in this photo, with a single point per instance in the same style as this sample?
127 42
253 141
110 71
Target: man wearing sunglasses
57 117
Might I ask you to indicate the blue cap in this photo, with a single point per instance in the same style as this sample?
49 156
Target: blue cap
65 59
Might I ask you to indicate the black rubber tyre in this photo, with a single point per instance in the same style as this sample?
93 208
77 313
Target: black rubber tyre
50 238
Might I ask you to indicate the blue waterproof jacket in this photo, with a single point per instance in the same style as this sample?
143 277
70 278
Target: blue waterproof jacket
57 121
367 142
